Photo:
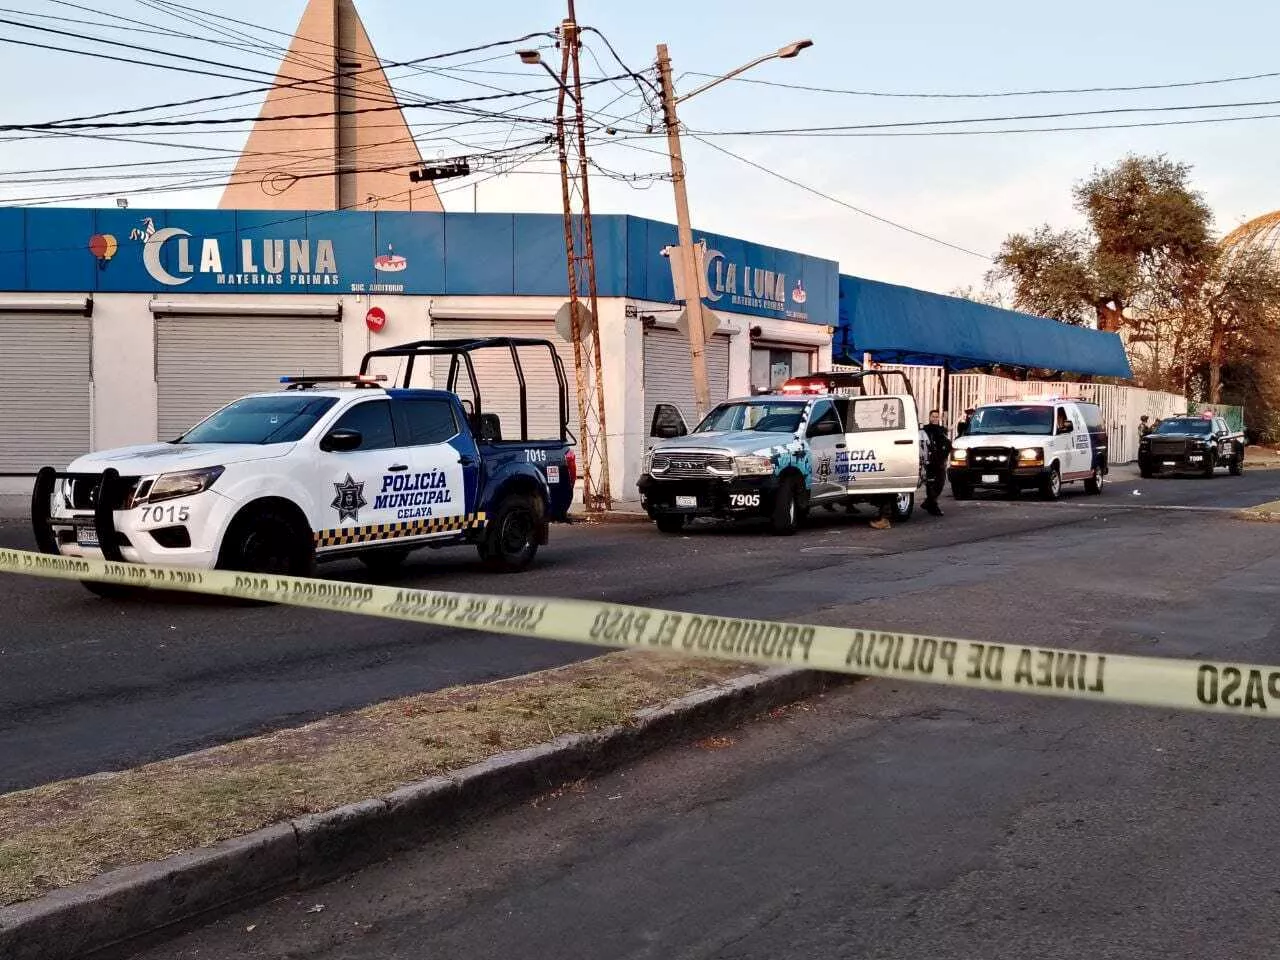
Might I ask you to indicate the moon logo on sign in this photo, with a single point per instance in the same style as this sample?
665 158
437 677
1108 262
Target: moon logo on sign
151 256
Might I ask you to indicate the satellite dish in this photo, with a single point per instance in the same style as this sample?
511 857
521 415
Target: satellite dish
586 322
710 323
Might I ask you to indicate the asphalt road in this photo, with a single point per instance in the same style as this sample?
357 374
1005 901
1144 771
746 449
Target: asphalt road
886 819
88 685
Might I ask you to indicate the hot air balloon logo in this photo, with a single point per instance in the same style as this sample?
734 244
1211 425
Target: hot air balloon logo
104 247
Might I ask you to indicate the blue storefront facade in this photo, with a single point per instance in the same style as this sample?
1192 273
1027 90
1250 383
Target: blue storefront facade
124 325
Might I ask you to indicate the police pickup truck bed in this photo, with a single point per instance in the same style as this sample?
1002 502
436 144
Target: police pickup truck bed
1197 443
821 441
329 467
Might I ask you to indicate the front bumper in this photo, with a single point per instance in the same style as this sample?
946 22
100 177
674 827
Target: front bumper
1189 461
730 497
183 532
997 476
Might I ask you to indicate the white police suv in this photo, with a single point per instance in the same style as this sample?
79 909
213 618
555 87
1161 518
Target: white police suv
328 467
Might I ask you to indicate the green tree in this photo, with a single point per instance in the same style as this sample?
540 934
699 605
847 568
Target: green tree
1145 227
1196 319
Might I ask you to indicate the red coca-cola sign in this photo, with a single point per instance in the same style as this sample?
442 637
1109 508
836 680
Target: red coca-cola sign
375 319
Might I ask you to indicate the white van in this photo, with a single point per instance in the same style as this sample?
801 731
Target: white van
1039 443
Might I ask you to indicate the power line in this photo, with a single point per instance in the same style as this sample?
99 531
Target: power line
203 180
996 94
901 124
837 200
220 121
261 89
1063 129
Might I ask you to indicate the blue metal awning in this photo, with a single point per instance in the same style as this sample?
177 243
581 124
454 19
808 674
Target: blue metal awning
902 325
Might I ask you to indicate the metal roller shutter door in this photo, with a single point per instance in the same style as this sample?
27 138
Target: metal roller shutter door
205 362
498 384
668 372
45 372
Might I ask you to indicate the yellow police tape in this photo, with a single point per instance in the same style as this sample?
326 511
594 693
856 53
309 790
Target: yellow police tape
1217 687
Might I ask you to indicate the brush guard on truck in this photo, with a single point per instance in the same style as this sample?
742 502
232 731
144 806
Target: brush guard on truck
107 491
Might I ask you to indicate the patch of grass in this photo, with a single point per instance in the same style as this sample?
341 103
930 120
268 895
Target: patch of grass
67 832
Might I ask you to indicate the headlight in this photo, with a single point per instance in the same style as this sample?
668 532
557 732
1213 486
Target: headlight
1031 455
960 456
753 466
648 463
170 486
64 489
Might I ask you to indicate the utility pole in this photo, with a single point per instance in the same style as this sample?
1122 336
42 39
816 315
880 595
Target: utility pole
581 265
691 281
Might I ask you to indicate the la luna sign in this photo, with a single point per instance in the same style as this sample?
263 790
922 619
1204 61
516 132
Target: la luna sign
263 262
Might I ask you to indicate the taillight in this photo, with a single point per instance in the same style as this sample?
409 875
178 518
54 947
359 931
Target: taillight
571 464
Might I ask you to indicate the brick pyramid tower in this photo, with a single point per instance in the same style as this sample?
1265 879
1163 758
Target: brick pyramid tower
329 162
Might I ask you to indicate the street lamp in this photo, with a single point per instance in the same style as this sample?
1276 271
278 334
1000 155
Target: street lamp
534 59
790 51
692 283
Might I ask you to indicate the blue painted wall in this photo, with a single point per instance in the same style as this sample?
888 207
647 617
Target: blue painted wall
261 252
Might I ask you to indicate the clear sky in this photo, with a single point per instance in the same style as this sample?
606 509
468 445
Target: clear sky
969 190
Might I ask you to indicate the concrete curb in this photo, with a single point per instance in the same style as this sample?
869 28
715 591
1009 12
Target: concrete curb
145 899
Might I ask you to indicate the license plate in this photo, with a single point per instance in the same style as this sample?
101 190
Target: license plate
686 501
991 478
1167 463
87 536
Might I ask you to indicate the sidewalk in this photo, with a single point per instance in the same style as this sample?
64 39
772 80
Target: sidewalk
15 506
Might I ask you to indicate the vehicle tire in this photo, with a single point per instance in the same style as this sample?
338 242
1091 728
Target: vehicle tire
1093 486
384 561
670 522
786 513
961 491
904 505
267 540
1145 471
1210 464
511 538
1051 484
110 591
1237 464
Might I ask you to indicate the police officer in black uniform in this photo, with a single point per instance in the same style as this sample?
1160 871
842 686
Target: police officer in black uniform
935 472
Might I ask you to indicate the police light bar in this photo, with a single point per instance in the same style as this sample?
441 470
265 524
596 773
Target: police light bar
359 379
805 385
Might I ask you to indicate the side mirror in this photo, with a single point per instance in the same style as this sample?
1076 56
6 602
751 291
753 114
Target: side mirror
667 422
824 428
341 441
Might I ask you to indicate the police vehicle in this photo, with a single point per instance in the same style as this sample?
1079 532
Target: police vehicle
822 440
1195 443
328 467
1038 443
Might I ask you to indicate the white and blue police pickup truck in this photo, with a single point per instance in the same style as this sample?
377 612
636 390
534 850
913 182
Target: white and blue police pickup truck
328 467
823 440
1037 443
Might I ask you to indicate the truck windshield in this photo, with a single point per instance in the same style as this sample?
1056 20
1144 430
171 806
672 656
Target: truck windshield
1183 426
766 416
1029 421
282 419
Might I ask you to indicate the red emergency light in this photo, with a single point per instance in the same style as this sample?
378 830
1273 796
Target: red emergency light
806 385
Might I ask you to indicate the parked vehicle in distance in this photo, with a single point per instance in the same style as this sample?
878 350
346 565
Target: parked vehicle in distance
1039 443
1198 443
